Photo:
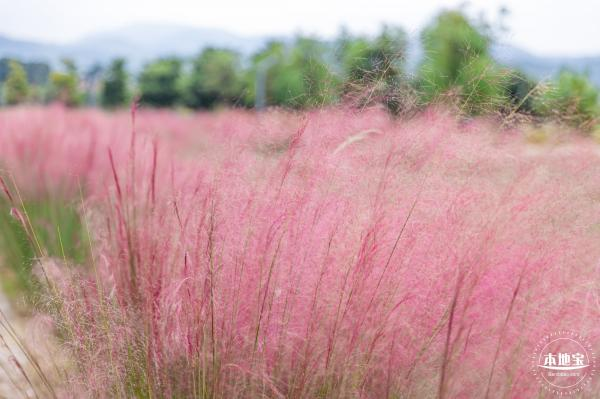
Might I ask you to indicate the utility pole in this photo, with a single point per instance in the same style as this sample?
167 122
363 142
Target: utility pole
260 100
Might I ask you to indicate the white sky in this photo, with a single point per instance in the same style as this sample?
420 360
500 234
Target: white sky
544 27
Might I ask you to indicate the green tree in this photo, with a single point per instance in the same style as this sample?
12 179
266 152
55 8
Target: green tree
521 91
114 91
292 76
271 81
373 68
64 86
16 87
368 61
320 85
572 98
457 62
215 79
159 83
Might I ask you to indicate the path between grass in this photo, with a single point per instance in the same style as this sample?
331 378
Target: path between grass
13 383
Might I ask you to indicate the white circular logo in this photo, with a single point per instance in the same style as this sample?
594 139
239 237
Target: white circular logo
564 362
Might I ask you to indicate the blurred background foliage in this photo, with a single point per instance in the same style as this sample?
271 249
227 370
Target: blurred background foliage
457 69
215 79
16 86
373 70
115 87
458 62
297 75
65 85
573 99
159 83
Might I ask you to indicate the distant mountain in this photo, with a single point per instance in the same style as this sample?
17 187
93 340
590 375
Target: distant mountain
143 42
137 43
546 67
27 50
140 43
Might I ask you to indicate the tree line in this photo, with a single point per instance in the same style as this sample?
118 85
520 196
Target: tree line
457 68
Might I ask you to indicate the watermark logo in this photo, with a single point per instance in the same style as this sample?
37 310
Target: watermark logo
564 362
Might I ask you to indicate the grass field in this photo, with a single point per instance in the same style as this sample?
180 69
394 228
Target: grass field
321 254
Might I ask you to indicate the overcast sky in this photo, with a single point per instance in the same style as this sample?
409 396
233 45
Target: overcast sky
544 27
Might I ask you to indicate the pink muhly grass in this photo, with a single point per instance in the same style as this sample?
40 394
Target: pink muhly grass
246 255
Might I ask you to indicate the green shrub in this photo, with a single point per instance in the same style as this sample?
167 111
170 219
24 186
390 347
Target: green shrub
573 99
458 65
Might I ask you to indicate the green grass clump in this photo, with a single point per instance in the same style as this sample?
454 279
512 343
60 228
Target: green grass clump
56 226
573 99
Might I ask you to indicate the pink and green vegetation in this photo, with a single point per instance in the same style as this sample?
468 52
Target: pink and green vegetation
323 254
